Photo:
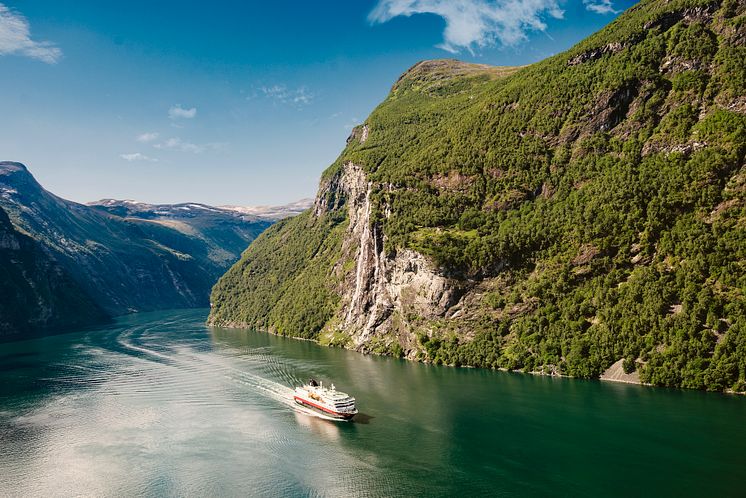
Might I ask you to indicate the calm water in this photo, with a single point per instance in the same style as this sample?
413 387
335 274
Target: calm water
158 404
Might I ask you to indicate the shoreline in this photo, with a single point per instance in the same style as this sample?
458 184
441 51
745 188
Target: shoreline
603 377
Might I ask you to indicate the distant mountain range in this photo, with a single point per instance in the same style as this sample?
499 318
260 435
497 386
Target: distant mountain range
274 213
68 264
193 210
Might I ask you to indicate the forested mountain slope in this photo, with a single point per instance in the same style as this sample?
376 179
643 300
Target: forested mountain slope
558 218
35 292
113 263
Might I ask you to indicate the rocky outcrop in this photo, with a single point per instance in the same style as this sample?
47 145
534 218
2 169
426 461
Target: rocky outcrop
597 53
612 107
693 14
383 289
616 373
359 134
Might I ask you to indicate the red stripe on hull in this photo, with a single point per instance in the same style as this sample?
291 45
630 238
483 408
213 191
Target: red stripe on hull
345 416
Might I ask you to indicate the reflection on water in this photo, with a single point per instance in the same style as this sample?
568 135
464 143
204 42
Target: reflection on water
326 428
158 404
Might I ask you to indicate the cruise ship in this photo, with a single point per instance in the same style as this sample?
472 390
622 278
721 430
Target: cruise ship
328 401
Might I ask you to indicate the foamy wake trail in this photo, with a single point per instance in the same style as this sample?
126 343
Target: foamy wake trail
184 357
268 388
125 340
274 390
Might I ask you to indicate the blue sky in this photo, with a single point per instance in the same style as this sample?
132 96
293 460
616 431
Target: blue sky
233 102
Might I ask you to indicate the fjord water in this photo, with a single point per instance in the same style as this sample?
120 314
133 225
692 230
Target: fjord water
159 404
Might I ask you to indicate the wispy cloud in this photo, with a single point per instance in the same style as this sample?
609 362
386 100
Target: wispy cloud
351 123
282 94
15 38
180 145
600 6
136 156
147 137
178 112
475 24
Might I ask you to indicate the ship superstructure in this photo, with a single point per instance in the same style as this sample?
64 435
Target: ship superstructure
328 401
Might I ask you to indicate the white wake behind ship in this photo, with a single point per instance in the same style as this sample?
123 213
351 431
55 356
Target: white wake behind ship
327 401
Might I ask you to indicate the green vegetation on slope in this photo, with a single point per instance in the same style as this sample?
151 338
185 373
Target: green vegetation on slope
36 293
596 199
274 286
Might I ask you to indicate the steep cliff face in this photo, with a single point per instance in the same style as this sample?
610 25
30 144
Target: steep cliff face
383 289
558 218
36 293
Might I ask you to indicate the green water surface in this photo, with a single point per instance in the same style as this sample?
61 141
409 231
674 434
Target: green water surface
160 405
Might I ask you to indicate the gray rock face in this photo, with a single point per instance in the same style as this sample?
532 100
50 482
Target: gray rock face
382 290
359 133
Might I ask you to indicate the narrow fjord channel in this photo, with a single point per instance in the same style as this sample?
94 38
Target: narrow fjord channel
159 404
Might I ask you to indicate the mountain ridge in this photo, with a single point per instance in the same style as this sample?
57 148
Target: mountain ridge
130 207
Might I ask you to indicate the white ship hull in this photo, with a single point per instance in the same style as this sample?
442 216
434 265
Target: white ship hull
329 402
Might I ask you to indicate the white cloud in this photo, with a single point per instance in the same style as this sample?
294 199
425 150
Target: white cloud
600 6
284 95
147 137
178 112
136 156
180 145
15 38
474 24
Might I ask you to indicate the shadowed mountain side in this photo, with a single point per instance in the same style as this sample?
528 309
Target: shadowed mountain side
127 261
36 293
